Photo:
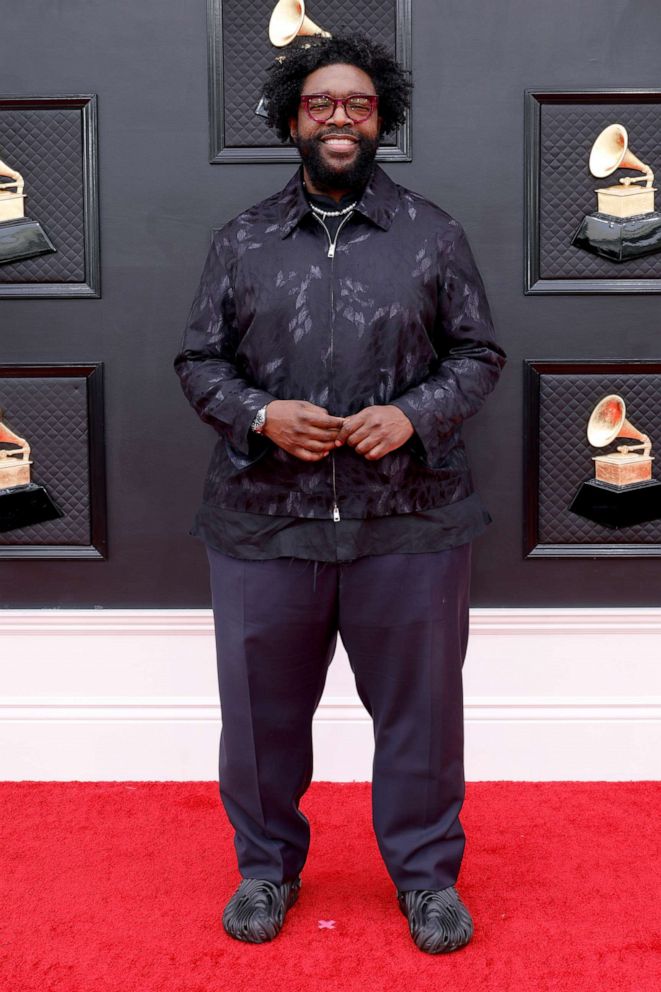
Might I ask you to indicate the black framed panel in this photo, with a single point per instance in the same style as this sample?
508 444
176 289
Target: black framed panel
560 397
58 409
560 129
52 142
239 54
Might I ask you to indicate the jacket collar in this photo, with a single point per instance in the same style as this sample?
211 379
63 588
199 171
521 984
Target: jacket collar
378 203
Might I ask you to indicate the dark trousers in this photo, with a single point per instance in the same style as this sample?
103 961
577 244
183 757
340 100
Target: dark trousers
403 619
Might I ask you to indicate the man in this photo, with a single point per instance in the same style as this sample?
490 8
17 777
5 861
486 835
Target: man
339 337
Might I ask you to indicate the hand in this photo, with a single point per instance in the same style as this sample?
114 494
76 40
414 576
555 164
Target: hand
301 428
376 430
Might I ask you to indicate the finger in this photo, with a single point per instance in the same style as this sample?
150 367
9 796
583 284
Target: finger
309 456
363 422
317 434
351 424
346 430
378 452
323 419
366 444
295 445
360 435
304 454
316 446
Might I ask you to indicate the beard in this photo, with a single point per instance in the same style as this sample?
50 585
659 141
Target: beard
353 175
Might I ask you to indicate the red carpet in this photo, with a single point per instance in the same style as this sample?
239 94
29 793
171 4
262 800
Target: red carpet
117 885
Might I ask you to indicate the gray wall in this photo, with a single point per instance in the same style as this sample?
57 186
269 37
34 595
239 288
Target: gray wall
146 60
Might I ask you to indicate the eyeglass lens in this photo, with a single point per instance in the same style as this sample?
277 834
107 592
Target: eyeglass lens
357 108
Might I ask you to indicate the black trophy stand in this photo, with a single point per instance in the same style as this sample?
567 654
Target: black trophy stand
619 238
23 506
618 506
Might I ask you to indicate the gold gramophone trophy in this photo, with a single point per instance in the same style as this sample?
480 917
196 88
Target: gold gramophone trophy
20 237
22 502
625 225
288 21
623 491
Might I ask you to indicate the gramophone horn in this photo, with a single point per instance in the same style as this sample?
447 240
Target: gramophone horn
8 437
611 151
608 421
288 20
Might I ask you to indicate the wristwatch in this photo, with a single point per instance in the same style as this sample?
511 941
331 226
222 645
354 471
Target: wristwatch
259 421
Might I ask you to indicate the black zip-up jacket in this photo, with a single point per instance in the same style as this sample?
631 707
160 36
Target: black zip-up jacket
390 311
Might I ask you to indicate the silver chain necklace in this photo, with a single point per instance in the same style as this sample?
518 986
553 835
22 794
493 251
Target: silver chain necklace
333 213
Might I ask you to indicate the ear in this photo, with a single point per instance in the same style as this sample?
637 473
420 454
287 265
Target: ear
293 127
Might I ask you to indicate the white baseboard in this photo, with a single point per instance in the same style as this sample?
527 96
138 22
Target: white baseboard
132 695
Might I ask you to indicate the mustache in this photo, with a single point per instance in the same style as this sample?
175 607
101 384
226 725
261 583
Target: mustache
344 133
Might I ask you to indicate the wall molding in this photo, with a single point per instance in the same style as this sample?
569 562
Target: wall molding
591 620
132 694
333 709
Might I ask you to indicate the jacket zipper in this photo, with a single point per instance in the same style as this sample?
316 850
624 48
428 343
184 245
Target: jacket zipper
332 242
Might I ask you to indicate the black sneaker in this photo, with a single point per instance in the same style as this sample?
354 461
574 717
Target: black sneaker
257 910
438 920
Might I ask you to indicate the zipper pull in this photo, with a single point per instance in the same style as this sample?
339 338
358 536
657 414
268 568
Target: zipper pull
331 250
336 512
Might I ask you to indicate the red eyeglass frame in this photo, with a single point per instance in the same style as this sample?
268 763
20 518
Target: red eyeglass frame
372 97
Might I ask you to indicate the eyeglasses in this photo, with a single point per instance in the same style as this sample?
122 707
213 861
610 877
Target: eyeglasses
320 107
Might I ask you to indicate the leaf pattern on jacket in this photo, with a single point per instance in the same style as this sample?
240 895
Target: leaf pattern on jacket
399 316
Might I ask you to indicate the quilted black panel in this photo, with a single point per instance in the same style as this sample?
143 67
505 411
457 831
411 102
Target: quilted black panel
567 187
45 145
566 402
51 414
247 53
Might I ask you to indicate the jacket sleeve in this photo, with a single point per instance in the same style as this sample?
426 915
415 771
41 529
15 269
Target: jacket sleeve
470 361
206 364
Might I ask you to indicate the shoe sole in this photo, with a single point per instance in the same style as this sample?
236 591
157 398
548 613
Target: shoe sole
293 896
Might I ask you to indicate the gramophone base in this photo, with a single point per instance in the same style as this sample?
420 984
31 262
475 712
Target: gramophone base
617 238
619 469
23 238
24 506
615 507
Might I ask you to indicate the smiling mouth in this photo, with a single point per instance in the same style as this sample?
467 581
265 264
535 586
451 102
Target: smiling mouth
340 146
339 141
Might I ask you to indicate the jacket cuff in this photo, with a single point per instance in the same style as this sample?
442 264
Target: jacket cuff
426 443
258 445
240 436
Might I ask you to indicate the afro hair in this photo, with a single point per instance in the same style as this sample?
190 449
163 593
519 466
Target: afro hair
284 83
